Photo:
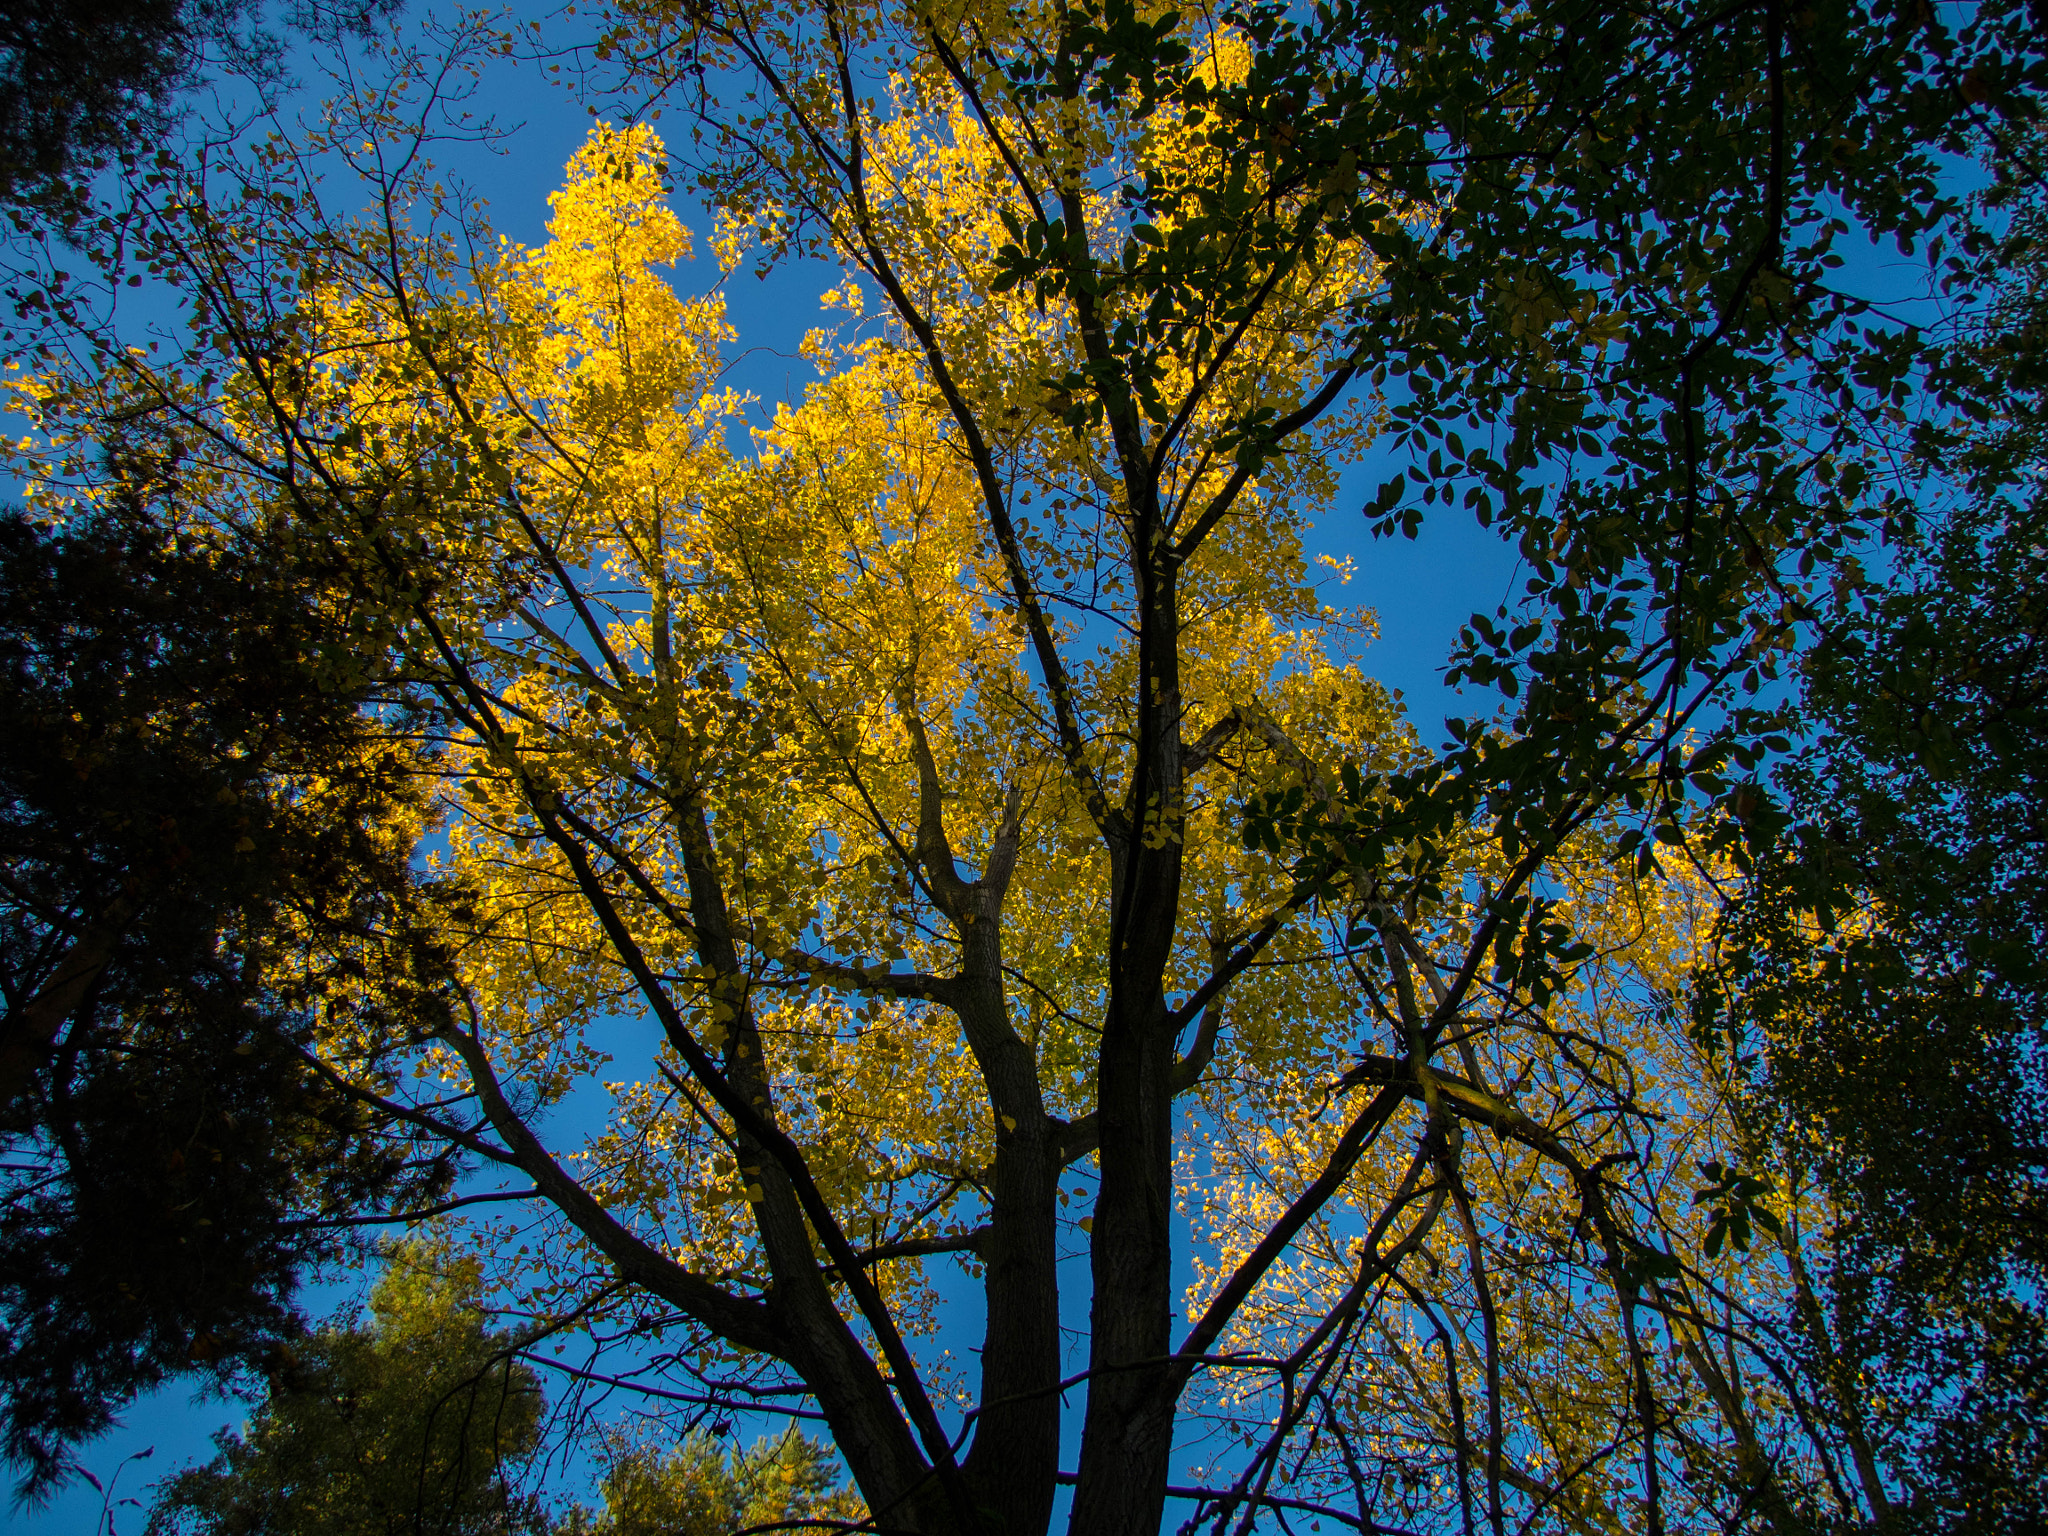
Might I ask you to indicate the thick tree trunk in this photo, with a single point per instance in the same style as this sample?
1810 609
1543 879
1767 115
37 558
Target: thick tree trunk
1127 1437
1127 1434
1012 1464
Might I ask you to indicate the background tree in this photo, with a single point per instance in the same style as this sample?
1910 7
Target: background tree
1885 972
966 800
698 1490
416 1423
425 1419
199 825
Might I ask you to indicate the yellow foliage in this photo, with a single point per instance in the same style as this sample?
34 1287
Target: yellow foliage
793 779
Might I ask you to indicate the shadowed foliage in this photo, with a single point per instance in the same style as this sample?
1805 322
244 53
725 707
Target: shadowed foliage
204 846
1886 967
414 1423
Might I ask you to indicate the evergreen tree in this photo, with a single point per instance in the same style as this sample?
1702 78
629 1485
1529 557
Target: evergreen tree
80 80
414 1423
205 848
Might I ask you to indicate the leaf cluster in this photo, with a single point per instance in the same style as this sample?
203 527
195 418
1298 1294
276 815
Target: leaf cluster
417 1422
205 851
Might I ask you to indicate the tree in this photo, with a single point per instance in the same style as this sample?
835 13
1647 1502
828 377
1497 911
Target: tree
966 799
414 1423
1883 972
197 822
698 1491
78 81
82 82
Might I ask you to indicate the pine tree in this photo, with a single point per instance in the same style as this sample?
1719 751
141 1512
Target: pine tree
416 1421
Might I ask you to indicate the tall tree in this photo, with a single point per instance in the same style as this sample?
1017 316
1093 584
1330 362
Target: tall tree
1884 971
966 800
205 847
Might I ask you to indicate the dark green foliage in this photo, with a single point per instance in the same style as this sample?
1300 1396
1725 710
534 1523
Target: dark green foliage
83 81
1888 974
413 1424
1887 969
203 854
79 80
1622 338
697 1491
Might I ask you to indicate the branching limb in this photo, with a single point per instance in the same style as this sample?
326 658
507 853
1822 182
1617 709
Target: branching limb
745 1322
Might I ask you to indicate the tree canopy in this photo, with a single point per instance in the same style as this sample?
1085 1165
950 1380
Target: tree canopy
1883 972
950 829
416 1422
198 822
